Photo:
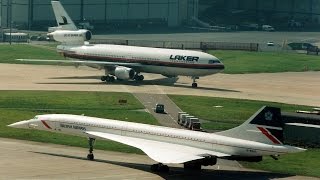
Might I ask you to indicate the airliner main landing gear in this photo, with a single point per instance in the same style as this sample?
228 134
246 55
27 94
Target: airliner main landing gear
194 83
108 78
90 156
139 77
159 168
111 78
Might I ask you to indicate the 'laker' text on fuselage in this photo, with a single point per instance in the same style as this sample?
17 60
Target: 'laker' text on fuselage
184 58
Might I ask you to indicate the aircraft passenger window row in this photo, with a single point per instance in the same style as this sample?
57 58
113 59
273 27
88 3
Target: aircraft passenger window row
104 55
168 135
144 58
92 54
141 131
145 132
116 56
93 125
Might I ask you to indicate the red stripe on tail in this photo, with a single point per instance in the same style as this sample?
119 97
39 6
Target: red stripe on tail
269 136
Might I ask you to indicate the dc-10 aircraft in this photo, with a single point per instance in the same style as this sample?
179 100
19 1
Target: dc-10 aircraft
127 62
260 135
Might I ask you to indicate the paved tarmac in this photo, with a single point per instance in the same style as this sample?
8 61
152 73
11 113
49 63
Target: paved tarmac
292 87
169 118
32 160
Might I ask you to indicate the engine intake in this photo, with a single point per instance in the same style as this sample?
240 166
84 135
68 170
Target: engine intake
124 73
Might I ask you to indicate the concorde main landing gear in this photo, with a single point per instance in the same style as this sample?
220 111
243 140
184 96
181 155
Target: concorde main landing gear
90 156
194 83
159 168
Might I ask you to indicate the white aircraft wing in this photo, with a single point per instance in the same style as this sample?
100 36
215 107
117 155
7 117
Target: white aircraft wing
160 151
84 62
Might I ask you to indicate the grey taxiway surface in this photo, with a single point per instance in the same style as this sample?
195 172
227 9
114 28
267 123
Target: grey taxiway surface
292 87
32 160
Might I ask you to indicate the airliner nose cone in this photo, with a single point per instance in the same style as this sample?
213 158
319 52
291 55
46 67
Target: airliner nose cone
21 124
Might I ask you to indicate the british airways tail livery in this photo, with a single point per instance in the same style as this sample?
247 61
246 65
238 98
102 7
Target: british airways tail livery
260 135
127 62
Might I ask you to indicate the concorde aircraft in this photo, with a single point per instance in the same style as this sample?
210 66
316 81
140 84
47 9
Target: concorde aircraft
127 62
259 136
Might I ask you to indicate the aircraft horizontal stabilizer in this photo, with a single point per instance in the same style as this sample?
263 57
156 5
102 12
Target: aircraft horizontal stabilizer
162 152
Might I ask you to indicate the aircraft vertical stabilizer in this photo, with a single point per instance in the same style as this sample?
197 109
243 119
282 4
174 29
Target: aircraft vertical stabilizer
62 17
264 126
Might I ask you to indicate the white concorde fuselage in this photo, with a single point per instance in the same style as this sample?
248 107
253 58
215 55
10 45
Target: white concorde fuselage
168 62
79 125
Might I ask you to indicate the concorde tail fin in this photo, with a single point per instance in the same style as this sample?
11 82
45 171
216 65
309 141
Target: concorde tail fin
264 126
62 17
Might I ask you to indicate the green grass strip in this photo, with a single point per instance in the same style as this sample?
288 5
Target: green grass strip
243 62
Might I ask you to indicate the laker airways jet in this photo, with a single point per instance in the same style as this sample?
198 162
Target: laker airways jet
127 62
260 135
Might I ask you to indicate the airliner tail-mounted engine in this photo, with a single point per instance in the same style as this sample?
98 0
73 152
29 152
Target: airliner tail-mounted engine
124 73
66 36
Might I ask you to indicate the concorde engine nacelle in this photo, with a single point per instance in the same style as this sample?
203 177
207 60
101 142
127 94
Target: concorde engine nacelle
124 73
66 36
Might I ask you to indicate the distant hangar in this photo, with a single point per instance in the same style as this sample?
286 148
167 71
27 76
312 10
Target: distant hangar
33 13
37 14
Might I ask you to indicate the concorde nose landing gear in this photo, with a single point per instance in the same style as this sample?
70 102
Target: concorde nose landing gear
159 168
194 83
90 156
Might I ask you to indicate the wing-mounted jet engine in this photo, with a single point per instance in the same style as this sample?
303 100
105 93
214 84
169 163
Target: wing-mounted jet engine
121 73
124 73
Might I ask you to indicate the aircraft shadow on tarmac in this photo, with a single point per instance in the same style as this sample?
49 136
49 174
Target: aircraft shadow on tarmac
179 173
161 81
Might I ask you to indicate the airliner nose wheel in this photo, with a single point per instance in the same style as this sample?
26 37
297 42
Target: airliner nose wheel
159 168
194 85
90 156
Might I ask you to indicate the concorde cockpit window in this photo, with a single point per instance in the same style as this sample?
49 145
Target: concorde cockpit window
214 61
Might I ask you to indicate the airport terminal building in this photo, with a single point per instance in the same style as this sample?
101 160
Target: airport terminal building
34 13
278 13
38 14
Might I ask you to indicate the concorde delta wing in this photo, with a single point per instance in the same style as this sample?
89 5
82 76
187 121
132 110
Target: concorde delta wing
160 151
101 63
